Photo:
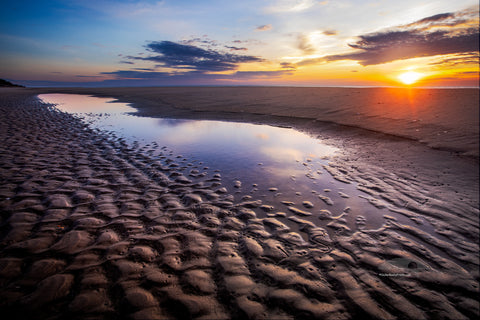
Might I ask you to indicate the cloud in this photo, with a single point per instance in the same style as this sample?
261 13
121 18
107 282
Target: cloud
470 73
330 32
387 47
236 48
264 27
184 56
153 78
195 75
137 74
441 34
288 65
450 19
200 41
187 64
304 44
469 78
240 75
458 59
436 18
290 6
81 76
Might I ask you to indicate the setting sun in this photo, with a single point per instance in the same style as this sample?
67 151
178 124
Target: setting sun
409 77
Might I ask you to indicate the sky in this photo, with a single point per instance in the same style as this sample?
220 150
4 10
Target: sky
247 42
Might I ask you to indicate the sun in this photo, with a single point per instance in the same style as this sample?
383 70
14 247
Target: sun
409 77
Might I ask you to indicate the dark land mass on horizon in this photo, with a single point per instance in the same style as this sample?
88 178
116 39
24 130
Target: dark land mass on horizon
5 83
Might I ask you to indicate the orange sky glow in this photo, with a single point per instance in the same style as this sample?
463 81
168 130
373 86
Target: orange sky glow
269 42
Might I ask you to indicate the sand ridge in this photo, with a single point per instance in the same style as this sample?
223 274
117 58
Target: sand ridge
93 227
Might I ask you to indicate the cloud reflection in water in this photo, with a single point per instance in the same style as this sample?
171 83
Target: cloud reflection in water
236 149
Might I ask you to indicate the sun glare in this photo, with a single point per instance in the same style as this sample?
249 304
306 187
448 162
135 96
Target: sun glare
409 77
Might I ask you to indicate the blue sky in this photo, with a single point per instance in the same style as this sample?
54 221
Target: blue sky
277 42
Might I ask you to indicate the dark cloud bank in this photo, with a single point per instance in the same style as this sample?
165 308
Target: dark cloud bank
446 33
193 64
181 56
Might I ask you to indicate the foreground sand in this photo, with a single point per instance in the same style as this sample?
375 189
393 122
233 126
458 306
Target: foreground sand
93 228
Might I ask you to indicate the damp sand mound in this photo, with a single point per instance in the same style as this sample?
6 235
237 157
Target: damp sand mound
92 227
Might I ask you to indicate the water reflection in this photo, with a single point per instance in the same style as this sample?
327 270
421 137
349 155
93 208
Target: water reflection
260 156
244 151
76 103
225 137
172 122
282 154
282 167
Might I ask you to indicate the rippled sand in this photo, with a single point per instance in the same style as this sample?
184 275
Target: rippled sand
92 227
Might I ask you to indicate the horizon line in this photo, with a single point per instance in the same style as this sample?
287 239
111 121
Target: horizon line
259 86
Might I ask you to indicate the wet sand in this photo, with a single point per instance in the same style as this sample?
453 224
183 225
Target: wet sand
440 118
92 227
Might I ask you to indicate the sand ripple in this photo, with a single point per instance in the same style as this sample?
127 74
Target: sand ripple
105 230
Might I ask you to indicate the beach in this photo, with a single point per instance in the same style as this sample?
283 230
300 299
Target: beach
93 227
441 118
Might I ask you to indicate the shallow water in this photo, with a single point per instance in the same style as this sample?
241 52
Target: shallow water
276 165
253 153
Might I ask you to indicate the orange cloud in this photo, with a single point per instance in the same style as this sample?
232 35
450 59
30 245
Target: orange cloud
264 27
